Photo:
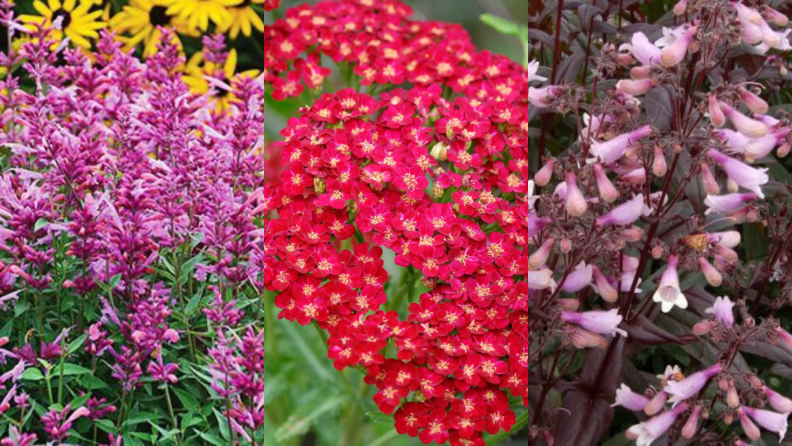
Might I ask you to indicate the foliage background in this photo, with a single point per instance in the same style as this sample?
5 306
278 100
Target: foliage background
307 401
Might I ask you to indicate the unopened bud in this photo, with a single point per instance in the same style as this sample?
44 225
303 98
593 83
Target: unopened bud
569 304
632 234
545 174
319 185
732 399
566 245
703 327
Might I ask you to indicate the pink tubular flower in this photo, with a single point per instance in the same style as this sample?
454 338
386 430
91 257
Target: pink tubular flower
647 432
772 421
727 203
637 87
578 279
602 322
542 97
691 425
626 213
642 50
778 402
747 126
668 292
630 400
723 311
748 177
675 53
692 385
613 150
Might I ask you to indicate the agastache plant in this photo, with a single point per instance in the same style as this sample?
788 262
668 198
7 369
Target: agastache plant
655 149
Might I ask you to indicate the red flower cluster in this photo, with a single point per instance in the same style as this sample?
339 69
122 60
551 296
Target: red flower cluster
439 181
269 5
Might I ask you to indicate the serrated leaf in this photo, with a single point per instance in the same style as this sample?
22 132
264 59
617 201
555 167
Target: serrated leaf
380 418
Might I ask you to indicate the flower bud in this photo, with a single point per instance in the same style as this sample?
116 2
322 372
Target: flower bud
586 339
569 304
713 276
778 402
732 399
659 166
727 253
606 189
750 429
576 204
743 124
657 252
708 180
717 118
680 7
775 17
784 149
753 102
635 87
539 258
603 287
640 72
566 245
545 174
691 425
632 234
703 327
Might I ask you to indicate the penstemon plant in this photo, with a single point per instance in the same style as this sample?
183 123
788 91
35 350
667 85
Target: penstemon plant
657 139
420 161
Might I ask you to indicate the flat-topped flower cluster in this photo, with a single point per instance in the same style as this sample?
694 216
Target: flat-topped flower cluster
434 171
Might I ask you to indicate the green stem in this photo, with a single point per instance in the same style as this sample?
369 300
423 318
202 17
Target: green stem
383 440
172 415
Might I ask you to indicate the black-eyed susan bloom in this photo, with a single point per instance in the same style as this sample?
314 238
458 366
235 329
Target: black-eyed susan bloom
78 22
244 19
198 13
197 72
140 19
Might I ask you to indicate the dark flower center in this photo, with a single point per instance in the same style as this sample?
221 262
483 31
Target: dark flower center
158 17
66 17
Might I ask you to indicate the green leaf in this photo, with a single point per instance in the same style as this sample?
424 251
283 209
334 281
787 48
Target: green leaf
40 223
188 401
380 418
504 26
32 374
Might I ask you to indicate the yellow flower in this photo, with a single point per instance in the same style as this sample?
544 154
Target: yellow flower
198 13
140 19
244 18
196 71
77 21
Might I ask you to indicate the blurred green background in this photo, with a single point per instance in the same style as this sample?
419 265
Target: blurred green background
308 402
